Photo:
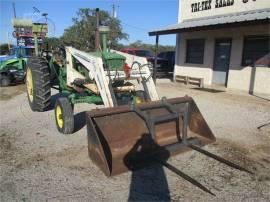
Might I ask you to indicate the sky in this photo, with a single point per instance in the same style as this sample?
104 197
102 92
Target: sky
137 16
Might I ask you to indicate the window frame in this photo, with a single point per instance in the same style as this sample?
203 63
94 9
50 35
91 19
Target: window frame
187 59
243 64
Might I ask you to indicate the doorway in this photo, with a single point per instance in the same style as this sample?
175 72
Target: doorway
221 61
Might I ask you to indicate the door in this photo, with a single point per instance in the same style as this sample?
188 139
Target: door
221 61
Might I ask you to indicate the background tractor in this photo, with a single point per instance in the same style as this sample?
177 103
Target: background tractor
12 66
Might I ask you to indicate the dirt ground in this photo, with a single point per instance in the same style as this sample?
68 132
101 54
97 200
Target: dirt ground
39 164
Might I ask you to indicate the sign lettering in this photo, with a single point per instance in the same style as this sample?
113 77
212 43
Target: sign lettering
201 6
224 3
207 4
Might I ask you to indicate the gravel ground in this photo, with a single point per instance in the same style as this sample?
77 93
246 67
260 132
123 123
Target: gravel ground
39 164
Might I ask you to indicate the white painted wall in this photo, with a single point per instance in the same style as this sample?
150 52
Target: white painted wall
262 81
239 77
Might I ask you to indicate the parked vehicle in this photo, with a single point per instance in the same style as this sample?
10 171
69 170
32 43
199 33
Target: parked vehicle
169 56
12 66
162 64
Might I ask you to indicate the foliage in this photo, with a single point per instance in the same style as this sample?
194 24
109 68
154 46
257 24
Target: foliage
81 34
4 49
52 42
140 44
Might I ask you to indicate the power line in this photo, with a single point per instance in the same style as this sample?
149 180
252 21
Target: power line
135 27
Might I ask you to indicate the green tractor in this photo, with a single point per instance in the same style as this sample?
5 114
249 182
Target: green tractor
134 128
12 66
102 77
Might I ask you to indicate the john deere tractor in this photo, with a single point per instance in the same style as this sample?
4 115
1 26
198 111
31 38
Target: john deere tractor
102 77
12 66
134 128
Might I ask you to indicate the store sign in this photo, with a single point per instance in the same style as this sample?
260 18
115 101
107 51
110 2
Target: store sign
208 4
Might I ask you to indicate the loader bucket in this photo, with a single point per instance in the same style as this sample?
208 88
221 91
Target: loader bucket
127 137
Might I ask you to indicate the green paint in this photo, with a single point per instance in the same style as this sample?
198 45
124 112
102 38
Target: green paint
90 99
36 44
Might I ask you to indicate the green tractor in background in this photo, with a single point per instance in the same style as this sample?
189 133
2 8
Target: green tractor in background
13 65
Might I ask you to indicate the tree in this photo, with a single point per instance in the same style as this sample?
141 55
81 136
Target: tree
52 42
4 49
141 45
81 34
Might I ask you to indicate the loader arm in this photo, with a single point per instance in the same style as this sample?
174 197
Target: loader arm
132 60
96 72
95 65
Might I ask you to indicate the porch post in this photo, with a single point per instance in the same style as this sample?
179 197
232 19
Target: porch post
155 65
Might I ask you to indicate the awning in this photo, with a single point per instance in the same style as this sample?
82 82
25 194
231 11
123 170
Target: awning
253 17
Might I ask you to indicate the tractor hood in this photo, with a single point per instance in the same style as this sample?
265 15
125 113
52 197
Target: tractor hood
8 60
4 58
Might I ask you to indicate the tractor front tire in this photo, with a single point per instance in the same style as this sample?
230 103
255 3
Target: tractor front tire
38 84
5 80
64 118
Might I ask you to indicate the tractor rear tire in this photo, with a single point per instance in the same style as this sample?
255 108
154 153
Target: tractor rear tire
64 118
5 80
38 84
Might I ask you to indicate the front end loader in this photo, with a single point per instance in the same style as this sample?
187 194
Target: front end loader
135 127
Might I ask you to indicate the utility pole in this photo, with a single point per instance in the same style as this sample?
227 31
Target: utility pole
14 9
114 15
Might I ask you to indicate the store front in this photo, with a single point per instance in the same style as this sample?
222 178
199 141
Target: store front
226 45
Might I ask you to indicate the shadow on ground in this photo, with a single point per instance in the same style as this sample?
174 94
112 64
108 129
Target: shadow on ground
79 121
209 90
147 184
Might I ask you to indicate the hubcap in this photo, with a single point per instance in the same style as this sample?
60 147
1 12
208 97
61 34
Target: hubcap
59 118
29 84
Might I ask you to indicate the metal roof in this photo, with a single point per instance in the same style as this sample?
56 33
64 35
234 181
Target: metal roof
247 17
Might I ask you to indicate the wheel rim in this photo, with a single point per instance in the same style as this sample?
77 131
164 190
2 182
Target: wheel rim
138 100
59 118
29 84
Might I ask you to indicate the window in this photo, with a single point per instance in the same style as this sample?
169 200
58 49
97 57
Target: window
256 51
171 56
195 51
162 55
144 53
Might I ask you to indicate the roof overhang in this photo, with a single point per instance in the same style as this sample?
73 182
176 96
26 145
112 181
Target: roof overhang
247 18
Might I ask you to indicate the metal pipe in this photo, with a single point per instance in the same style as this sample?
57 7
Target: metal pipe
36 43
183 175
104 30
97 43
220 159
155 64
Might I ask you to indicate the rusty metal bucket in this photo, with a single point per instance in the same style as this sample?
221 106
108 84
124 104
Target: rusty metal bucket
128 137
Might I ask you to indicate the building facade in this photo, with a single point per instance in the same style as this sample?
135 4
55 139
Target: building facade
224 42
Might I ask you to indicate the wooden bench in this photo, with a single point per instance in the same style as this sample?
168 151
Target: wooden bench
190 80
